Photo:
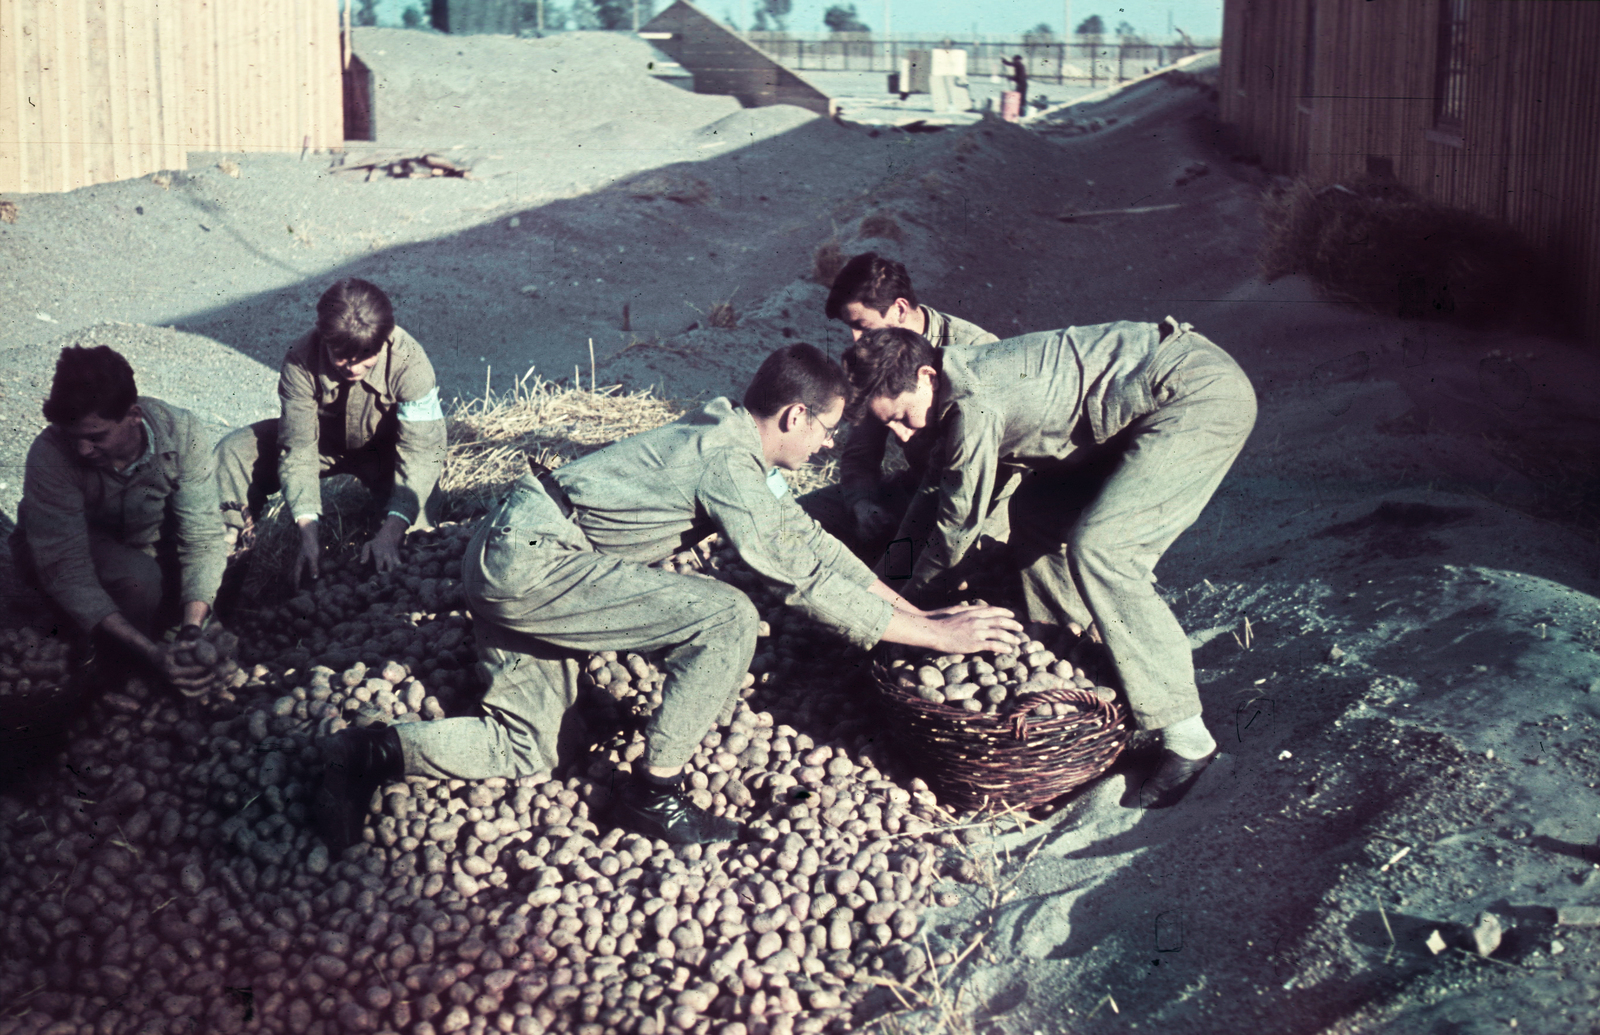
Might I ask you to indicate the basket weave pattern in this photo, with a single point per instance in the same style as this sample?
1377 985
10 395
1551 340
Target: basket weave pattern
1010 758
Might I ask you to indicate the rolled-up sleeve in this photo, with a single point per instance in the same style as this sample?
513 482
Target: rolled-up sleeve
202 553
781 544
298 465
55 526
966 465
420 442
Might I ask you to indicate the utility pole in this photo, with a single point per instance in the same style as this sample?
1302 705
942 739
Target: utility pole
1066 18
635 15
887 24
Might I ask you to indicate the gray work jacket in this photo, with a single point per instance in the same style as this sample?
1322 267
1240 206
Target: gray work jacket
663 490
64 501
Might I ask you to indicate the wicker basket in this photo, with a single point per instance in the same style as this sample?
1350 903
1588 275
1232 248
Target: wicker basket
1011 758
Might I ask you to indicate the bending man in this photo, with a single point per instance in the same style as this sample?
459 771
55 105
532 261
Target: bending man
118 520
1126 430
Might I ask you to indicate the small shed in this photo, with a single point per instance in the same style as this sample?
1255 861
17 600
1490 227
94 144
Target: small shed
723 63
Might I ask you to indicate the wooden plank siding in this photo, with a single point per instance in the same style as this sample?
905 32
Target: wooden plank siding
1364 85
100 90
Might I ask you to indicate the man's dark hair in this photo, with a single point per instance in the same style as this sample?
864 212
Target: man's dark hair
354 319
88 381
873 281
797 373
884 364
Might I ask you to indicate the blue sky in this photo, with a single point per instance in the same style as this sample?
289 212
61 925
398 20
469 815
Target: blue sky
1199 18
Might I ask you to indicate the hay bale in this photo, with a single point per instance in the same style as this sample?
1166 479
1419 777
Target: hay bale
1376 244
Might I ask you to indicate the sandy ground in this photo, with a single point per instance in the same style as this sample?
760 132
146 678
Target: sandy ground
1398 656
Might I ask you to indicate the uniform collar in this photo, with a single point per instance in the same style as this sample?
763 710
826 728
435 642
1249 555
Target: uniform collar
149 448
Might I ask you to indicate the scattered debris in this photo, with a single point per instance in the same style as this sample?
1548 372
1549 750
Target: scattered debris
1578 916
417 167
1335 655
230 167
723 315
1396 857
162 180
1191 172
1436 943
8 211
1069 217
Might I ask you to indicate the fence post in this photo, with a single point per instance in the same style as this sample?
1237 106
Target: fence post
1122 49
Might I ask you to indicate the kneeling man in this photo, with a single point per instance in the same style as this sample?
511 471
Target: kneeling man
358 397
1126 430
118 521
559 569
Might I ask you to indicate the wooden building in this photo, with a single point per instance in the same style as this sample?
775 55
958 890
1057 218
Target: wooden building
723 63
100 90
1487 105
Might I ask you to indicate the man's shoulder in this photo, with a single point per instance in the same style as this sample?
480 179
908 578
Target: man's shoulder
302 351
953 330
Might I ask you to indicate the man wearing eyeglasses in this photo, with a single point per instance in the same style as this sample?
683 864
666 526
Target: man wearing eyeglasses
561 568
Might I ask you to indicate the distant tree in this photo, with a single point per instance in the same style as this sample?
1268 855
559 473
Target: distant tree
411 18
366 12
843 18
1128 33
1041 33
773 15
613 14
1091 26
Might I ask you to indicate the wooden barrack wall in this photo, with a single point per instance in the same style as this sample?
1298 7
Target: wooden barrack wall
100 90
1319 87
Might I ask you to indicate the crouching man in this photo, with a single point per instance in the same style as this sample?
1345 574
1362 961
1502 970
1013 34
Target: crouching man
118 521
559 569
358 397
865 507
1126 430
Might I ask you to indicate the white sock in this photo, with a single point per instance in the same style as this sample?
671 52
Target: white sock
1188 738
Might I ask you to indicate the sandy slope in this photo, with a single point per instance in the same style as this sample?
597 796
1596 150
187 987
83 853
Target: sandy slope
1367 513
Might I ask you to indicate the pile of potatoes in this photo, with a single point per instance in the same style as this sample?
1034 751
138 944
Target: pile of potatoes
993 683
31 663
165 876
217 650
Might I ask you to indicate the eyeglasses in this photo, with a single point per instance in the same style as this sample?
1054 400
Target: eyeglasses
828 429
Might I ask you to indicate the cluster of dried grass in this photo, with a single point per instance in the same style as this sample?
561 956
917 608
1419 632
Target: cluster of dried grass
1377 244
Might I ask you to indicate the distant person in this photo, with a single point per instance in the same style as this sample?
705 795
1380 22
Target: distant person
1019 80
358 397
561 568
1126 430
118 520
865 507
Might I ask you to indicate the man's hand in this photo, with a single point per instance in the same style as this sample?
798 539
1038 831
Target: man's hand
967 629
384 549
310 560
872 521
189 679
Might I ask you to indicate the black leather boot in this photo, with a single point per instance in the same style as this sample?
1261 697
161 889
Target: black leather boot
356 762
666 811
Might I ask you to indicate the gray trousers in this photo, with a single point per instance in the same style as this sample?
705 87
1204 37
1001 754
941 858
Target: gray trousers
541 600
1088 535
144 583
247 470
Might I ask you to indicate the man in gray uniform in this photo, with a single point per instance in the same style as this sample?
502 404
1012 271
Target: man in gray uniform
559 570
1126 430
118 520
865 506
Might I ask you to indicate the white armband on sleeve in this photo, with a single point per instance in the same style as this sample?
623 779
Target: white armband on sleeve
425 408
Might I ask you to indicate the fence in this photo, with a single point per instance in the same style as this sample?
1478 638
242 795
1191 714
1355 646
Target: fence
1089 59
99 90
